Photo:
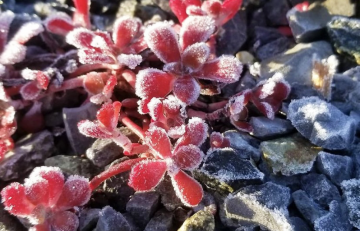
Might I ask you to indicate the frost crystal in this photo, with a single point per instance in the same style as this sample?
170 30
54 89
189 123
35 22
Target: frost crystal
131 61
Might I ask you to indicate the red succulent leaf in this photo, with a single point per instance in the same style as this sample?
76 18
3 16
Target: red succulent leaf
265 108
304 6
93 82
93 56
274 87
59 23
159 141
186 89
194 56
217 140
64 221
93 129
108 115
81 38
42 79
196 29
195 133
41 227
172 105
30 91
27 31
13 52
5 20
37 190
160 37
225 69
188 157
229 9
125 30
179 7
81 16
152 82
241 125
76 192
156 109
187 189
5 146
147 174
143 106
195 10
109 86
238 103
15 201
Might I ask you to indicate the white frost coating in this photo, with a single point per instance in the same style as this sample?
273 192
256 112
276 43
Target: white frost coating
187 89
194 10
198 52
236 104
144 79
190 150
5 19
73 37
99 42
197 27
13 53
27 31
79 182
268 110
131 61
28 74
176 132
351 189
153 106
37 172
3 95
92 129
173 104
193 127
151 142
269 85
2 70
57 16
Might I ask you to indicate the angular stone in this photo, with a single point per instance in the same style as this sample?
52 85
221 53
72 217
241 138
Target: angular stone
265 35
299 224
142 206
275 11
161 221
307 207
29 152
169 199
290 155
110 220
9 222
351 192
103 151
73 165
265 128
234 35
273 48
127 8
345 35
224 169
296 63
320 189
88 219
355 156
344 8
200 221
336 219
264 205
337 168
309 25
72 116
322 123
246 147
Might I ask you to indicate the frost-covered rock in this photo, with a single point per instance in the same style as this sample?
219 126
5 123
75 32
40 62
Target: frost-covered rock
245 146
88 219
265 128
307 207
110 220
299 224
290 155
320 189
162 221
337 219
322 123
264 205
351 191
337 168
225 169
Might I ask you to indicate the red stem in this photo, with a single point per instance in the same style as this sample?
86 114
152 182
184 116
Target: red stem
216 106
86 68
130 103
112 171
133 127
130 77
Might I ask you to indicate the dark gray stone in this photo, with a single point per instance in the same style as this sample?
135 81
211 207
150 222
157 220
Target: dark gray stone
307 207
320 189
200 221
351 193
337 219
275 11
345 35
110 220
9 222
169 199
296 64
103 151
54 119
72 116
161 221
224 167
142 206
309 25
273 48
244 146
265 35
234 35
264 205
73 165
299 91
322 123
299 224
88 219
29 152
337 168
265 128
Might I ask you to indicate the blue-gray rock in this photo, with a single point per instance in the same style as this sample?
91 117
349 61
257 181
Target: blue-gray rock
337 168
142 206
264 35
9 222
245 146
320 189
273 48
299 224
337 219
296 64
265 128
307 207
233 36
309 25
355 156
161 221
344 8
110 220
354 99
356 117
103 151
351 192
88 219
225 167
292 182
343 86
29 152
322 123
345 35
275 11
72 116
299 91
264 205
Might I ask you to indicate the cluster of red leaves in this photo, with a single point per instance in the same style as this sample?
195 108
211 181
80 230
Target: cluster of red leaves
47 200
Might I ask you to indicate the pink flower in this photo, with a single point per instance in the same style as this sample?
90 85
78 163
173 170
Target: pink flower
46 198
186 155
